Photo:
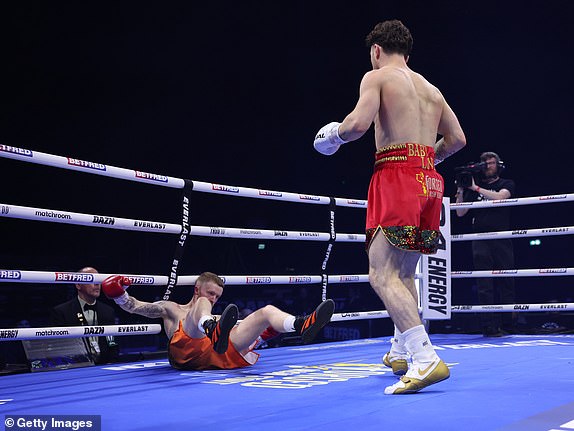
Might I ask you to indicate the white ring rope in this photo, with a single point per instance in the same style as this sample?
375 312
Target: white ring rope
92 220
29 213
69 163
13 334
552 306
523 233
514 202
47 277
544 272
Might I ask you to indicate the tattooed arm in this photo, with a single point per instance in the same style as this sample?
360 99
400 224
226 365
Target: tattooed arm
453 138
147 309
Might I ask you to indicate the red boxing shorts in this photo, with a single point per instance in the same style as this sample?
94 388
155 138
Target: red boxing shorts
186 353
405 198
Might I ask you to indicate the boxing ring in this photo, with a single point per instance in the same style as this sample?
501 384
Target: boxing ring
514 382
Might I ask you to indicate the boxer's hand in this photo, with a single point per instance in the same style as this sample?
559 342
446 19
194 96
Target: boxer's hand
113 288
327 141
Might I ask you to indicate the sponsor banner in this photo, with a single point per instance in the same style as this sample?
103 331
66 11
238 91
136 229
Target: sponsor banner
6 274
436 281
75 277
138 279
16 150
226 189
77 331
85 164
258 280
299 279
152 177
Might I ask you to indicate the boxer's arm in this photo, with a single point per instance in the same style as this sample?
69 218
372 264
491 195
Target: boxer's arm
152 310
453 138
115 286
360 119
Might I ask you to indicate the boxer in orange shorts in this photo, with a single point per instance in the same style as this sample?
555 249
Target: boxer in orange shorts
405 198
200 341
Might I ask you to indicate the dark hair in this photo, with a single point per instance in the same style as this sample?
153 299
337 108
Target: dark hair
492 155
209 276
393 36
489 155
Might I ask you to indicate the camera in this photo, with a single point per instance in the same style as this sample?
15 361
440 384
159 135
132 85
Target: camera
464 174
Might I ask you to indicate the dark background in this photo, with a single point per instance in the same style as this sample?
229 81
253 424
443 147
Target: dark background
233 93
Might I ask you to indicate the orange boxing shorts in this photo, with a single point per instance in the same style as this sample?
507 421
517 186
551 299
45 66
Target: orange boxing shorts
405 198
186 353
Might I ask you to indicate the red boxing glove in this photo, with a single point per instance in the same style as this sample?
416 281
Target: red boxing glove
113 288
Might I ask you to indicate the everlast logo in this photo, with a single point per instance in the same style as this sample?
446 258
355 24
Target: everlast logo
84 164
545 198
139 328
15 150
553 306
10 275
149 225
555 229
437 284
308 234
522 307
103 220
94 330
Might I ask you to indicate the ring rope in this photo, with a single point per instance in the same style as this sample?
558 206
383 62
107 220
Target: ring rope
552 306
48 277
543 272
29 156
92 220
13 334
524 233
533 200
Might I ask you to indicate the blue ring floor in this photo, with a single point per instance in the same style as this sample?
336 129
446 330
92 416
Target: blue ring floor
510 383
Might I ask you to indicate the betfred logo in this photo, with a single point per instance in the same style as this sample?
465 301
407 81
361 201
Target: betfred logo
354 202
153 177
299 279
84 164
270 193
227 189
134 279
75 278
553 271
309 198
16 150
258 280
10 275
348 278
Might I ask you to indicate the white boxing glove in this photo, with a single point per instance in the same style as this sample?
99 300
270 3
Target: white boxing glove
327 141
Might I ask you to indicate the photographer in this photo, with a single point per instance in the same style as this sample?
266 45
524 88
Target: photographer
478 182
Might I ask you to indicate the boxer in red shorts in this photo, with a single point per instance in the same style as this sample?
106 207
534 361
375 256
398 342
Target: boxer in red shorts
201 341
405 198
405 192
